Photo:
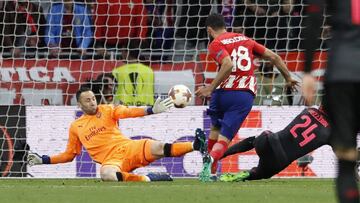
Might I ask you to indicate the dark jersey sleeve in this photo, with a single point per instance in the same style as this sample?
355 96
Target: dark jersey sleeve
314 21
307 132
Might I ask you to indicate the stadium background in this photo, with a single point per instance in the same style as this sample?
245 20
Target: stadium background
37 87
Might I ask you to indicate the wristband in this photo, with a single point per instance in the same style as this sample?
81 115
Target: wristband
45 159
149 110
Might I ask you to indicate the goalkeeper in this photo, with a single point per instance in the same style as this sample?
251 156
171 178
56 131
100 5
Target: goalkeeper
97 130
307 132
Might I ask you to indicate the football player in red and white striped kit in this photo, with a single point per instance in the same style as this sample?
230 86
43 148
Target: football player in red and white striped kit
234 87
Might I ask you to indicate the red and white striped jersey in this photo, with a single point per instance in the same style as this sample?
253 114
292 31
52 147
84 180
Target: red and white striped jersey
241 50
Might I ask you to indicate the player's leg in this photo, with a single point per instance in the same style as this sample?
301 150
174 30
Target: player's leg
236 105
128 157
213 136
265 169
219 148
139 153
113 173
153 150
256 173
262 171
242 146
267 166
160 149
342 105
216 115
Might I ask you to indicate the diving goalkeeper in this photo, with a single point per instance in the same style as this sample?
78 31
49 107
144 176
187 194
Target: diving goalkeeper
307 132
97 130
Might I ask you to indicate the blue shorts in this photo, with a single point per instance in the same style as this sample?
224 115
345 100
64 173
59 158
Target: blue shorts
228 110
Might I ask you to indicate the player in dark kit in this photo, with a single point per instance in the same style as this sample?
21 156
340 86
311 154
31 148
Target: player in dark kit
342 84
307 132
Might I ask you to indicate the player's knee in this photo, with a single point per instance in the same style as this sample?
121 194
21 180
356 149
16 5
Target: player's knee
215 129
157 149
214 133
224 138
349 154
108 177
108 173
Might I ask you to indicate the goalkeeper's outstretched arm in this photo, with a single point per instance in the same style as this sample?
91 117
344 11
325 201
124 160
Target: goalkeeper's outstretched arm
159 106
73 148
36 159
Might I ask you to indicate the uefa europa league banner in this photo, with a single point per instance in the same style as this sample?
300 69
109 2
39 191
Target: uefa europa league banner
47 133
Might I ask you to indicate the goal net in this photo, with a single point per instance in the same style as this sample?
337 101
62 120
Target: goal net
130 52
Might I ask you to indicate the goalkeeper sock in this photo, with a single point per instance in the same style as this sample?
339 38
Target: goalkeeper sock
177 149
218 150
181 148
242 146
346 185
123 176
211 143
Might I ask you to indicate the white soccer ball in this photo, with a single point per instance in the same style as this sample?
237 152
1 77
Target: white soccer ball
180 95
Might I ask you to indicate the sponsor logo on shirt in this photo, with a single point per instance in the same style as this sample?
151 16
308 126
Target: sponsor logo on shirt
93 132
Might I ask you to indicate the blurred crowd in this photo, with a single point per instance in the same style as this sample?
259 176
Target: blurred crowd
163 29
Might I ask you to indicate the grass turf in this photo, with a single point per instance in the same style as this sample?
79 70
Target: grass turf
181 190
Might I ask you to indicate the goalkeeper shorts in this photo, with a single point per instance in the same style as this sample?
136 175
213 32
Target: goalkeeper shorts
132 155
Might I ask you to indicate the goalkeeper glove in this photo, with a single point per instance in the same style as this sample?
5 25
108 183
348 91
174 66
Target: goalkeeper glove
36 159
160 106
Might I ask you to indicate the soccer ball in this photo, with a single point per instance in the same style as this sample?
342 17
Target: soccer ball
180 95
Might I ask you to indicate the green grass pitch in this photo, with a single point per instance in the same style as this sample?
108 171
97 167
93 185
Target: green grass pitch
179 191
